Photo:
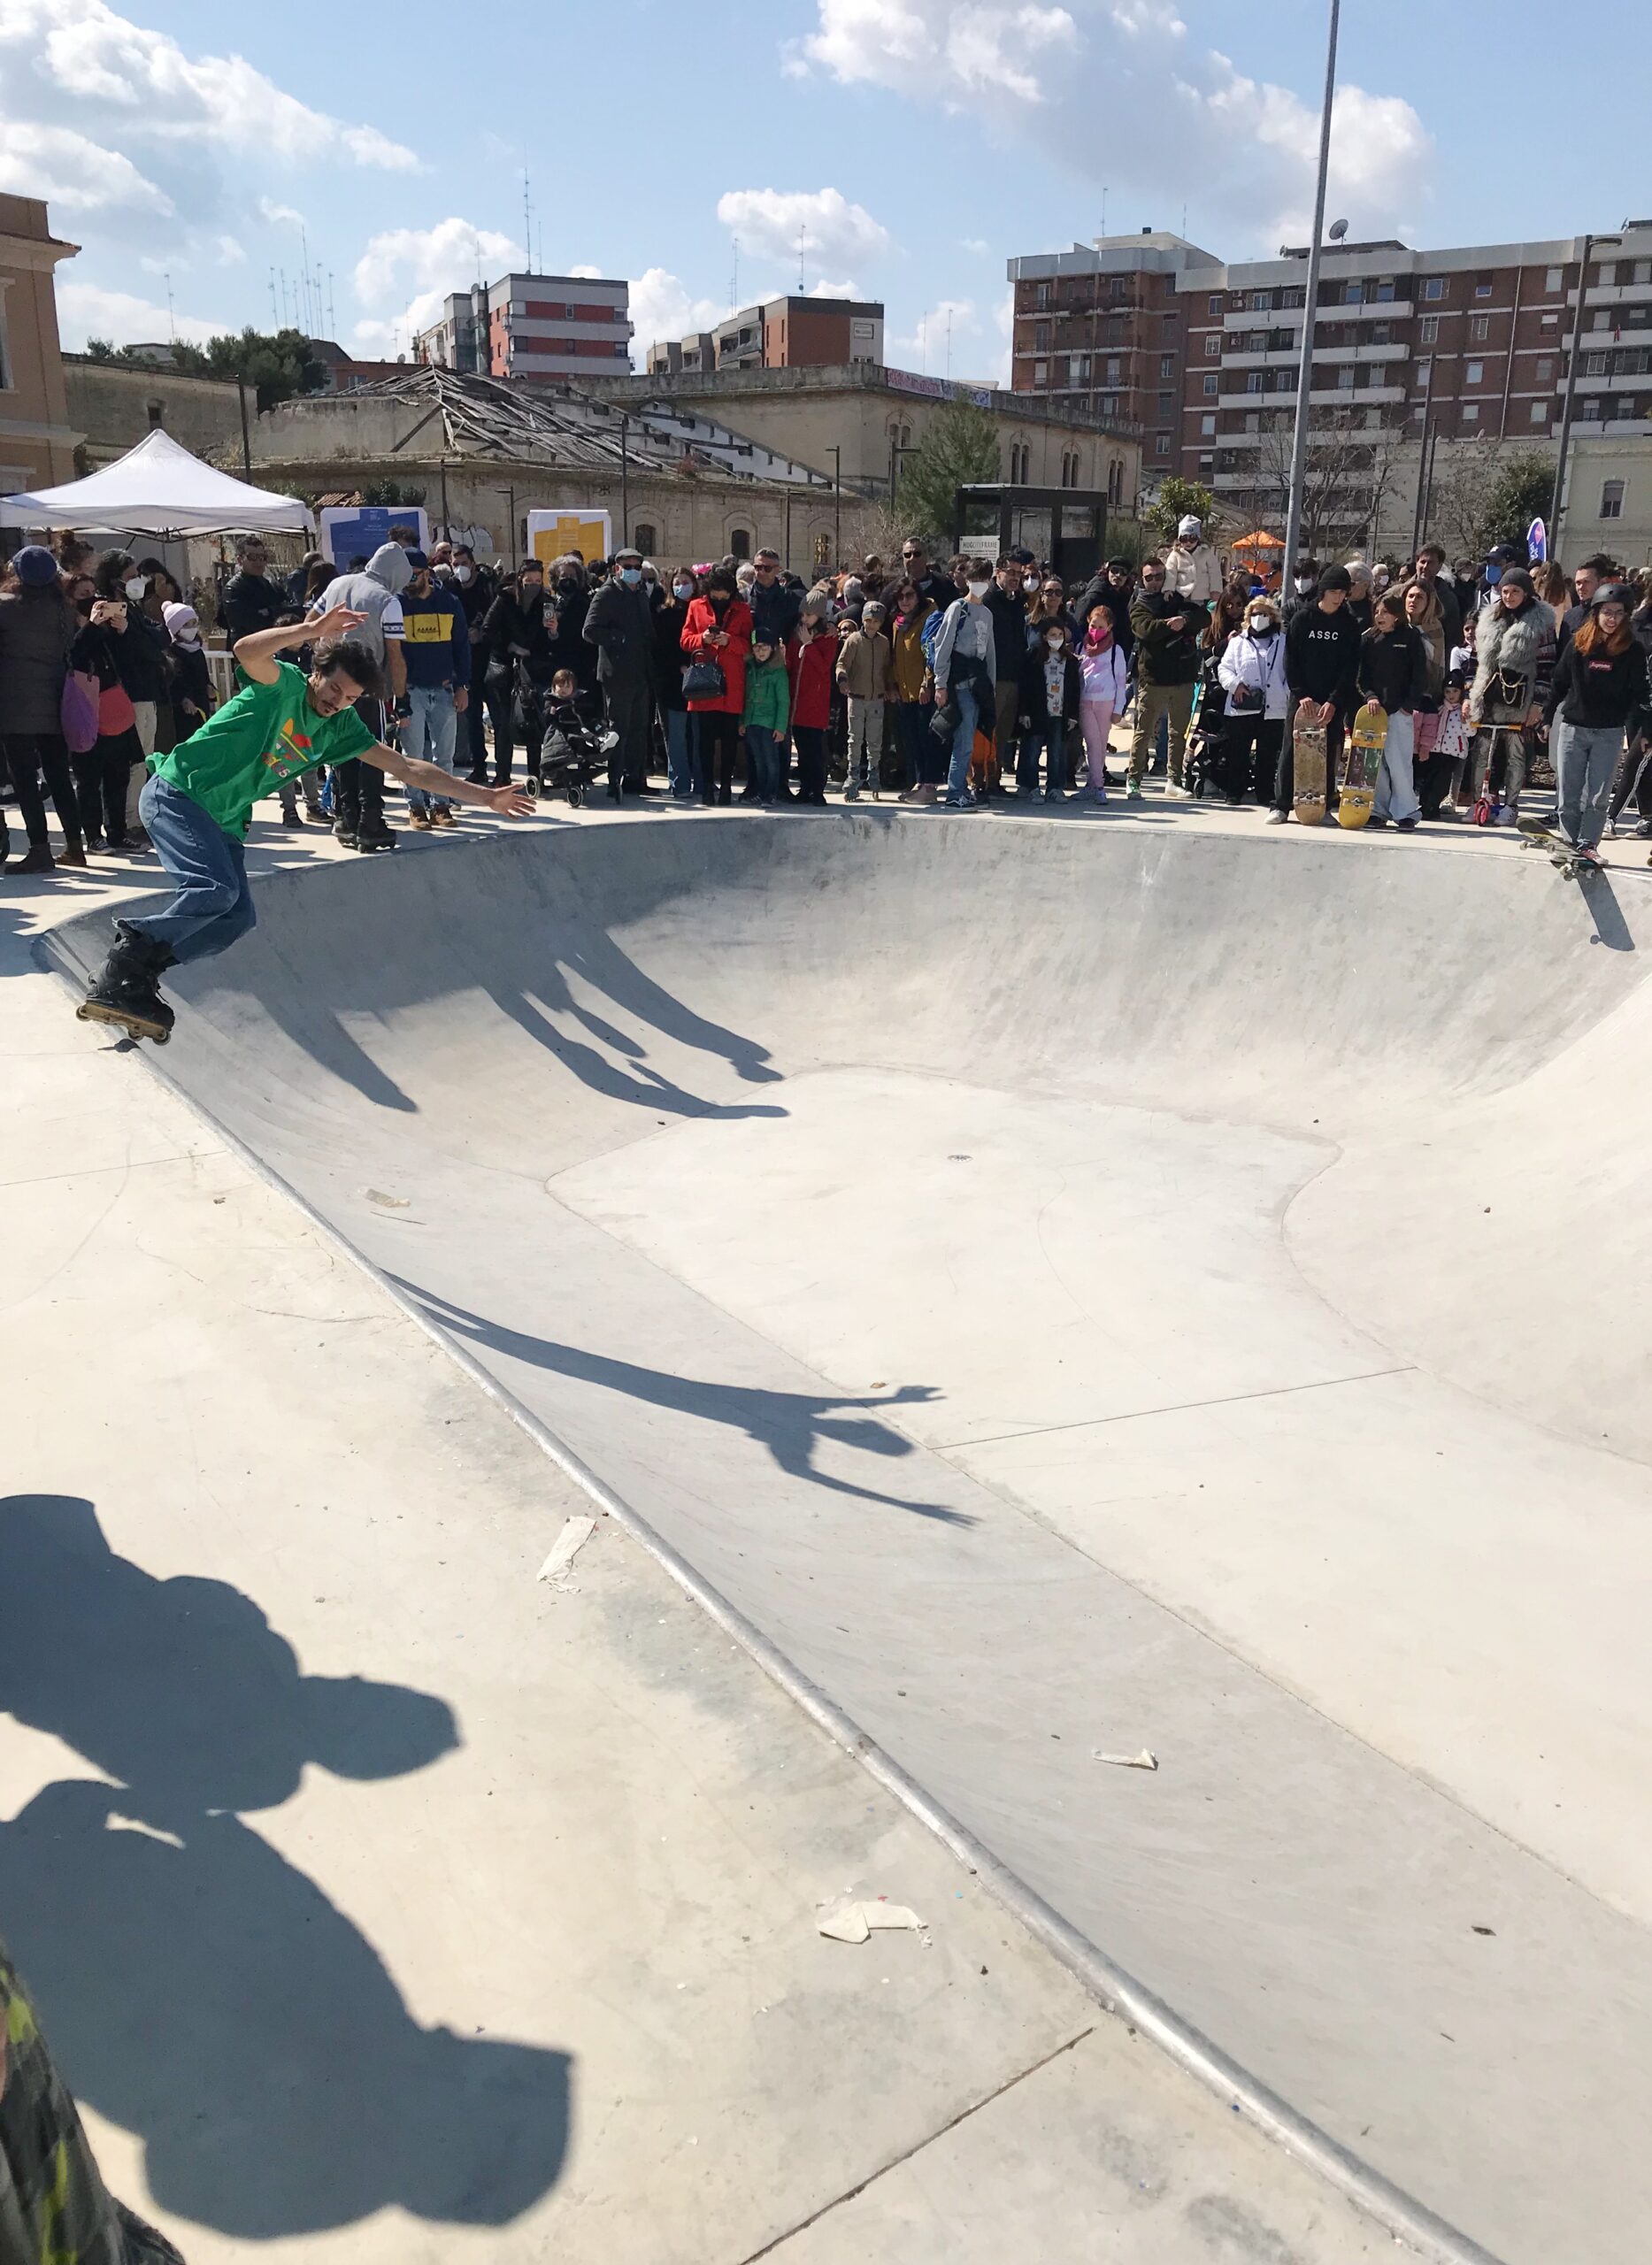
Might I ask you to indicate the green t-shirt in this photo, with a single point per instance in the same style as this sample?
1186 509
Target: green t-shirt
255 742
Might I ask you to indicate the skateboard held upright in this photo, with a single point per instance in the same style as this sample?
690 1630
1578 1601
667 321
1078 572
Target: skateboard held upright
1308 767
1367 737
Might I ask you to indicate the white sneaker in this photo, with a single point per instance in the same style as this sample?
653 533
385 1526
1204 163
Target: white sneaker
1274 817
1506 815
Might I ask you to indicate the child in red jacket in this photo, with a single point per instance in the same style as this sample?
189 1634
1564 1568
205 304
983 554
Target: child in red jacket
812 658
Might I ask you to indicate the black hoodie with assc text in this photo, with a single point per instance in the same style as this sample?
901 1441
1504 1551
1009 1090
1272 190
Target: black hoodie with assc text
1322 655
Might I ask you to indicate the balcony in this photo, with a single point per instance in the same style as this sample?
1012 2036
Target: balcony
1617 381
1613 295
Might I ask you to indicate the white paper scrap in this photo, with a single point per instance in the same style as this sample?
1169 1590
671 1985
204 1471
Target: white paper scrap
570 1541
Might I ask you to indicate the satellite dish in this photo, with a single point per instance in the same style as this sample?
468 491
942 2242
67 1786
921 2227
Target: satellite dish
1339 229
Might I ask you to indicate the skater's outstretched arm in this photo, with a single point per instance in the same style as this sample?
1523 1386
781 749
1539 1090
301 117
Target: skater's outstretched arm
256 656
431 779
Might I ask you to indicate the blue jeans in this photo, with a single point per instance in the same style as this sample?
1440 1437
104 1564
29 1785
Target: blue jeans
763 761
679 751
962 699
1050 736
431 733
208 868
1585 758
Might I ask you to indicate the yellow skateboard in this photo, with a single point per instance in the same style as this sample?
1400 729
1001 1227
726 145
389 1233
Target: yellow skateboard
1367 737
1307 769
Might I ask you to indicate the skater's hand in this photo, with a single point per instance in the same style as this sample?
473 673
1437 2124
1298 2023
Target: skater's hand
1373 706
461 700
337 621
508 801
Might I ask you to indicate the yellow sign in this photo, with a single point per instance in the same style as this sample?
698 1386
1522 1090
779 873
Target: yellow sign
553 534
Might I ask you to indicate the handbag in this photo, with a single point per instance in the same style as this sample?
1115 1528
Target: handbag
704 679
77 710
115 711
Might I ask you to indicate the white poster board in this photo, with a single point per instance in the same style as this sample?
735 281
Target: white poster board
553 534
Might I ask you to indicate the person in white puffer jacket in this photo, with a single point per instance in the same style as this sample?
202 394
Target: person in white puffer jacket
1192 569
1251 672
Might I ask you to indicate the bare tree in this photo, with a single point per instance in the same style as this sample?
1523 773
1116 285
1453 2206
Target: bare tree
1352 463
1487 491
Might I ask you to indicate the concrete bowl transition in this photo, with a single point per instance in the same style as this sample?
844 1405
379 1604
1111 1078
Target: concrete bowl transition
1074 1289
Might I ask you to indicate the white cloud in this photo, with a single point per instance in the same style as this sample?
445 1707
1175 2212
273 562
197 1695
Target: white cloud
848 289
925 347
662 307
81 50
432 262
962 55
768 222
280 216
585 271
977 245
1043 76
72 173
85 311
230 252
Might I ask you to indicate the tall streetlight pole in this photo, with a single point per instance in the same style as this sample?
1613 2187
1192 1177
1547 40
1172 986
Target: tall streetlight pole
836 454
1305 374
625 480
1557 506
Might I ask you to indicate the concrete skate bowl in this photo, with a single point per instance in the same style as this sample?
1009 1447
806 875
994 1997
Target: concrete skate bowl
1077 1289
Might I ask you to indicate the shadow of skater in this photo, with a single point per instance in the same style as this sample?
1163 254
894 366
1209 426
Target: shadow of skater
787 1424
199 1990
1610 928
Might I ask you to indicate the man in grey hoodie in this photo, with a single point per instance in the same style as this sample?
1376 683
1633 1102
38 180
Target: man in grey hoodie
376 594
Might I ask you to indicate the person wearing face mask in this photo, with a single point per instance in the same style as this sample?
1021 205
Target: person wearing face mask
1514 636
568 591
474 588
375 596
677 725
38 626
1252 675
101 773
251 600
519 667
1052 686
1322 669
1192 569
719 630
140 652
1394 675
620 623
813 663
192 680
963 664
1112 587
1304 588
1104 688
1168 629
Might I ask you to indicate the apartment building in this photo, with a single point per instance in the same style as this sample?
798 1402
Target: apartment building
787 334
1414 351
554 326
37 439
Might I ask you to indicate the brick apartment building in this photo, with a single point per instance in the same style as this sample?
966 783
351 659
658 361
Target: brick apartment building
555 327
783 333
1466 344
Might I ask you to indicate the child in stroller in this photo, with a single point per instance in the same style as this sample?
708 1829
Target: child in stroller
569 747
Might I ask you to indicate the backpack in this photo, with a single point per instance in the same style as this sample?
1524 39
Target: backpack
929 635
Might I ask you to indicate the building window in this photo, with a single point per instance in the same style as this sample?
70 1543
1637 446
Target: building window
1545 365
1078 368
645 538
1550 322
1540 413
1475 374
1212 381
1207 424
740 542
1611 499
1353 294
1040 338
1428 329
1167 365
1479 328
1040 373
1215 304
1385 290
1161 445
1424 369
1213 344
1471 413
1256 380
1554 279
1591 410
1606 274
1482 287
1641 272
1594 366
1041 295
1433 288
1260 303
1347 377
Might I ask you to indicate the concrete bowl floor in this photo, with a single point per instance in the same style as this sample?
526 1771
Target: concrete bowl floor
1077 1288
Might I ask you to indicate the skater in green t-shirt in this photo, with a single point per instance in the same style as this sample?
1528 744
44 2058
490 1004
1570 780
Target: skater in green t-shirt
198 804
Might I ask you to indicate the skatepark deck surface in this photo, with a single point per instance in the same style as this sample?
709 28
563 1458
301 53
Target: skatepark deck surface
1073 1288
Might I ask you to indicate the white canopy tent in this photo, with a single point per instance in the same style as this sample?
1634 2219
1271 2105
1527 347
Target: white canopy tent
158 490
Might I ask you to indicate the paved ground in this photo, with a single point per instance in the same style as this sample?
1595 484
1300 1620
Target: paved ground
1137 1336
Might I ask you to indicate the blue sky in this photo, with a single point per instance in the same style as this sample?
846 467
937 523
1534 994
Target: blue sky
917 145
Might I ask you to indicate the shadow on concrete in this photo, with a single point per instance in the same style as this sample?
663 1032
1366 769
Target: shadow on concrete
198 1989
1610 928
789 1425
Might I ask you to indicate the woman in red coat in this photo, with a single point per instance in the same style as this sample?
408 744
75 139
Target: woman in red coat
717 628
812 657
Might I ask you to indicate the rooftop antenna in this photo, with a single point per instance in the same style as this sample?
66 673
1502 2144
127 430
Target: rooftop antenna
284 322
332 317
527 222
803 238
1103 211
275 312
171 320
1338 230
304 247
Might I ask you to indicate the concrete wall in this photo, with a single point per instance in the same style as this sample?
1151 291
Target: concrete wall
115 403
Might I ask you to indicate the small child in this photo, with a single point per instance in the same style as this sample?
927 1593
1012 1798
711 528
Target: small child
864 664
1449 754
766 716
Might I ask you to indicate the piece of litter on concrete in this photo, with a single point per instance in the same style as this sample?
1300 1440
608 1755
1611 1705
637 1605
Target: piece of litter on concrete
391 1203
575 1535
855 1918
1142 1760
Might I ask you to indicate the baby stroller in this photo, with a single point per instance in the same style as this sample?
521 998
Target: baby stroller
573 757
